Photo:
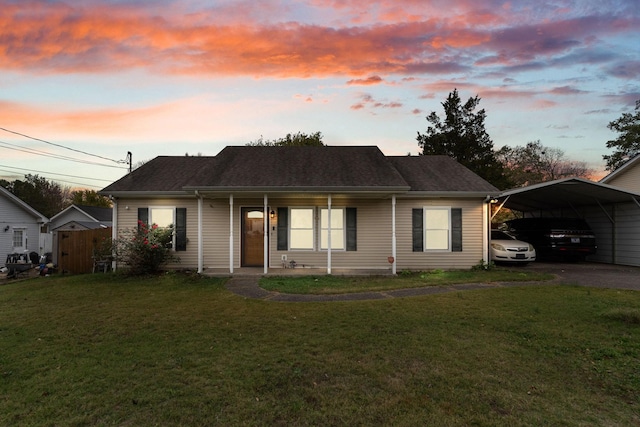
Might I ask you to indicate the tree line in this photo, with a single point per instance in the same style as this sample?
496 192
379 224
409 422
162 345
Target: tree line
461 134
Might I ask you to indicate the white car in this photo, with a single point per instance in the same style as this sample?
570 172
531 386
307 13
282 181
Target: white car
506 248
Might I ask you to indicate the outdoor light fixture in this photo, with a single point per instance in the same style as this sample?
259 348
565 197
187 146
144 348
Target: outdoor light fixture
272 214
6 229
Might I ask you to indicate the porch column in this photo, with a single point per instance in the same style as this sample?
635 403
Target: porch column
393 234
265 220
200 243
231 233
328 233
486 220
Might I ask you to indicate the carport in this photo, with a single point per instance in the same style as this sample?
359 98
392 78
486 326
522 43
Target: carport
612 213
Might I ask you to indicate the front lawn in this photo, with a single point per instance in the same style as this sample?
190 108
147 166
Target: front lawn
178 350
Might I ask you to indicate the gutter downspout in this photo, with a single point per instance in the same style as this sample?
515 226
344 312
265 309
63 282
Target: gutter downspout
114 230
200 243
486 227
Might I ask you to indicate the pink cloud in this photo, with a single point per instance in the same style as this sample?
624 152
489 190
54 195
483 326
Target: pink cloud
373 80
100 37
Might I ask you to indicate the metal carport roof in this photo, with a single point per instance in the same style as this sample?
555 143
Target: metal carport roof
564 193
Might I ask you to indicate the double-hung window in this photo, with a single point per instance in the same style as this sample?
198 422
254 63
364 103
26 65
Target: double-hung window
437 229
337 229
308 229
168 217
301 230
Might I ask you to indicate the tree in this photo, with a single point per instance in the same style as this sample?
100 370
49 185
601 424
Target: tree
535 163
90 198
47 197
291 140
627 144
462 135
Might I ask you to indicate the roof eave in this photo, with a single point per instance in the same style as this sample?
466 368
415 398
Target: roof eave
449 194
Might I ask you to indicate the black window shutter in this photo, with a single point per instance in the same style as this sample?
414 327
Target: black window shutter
417 228
456 230
283 229
352 229
181 229
143 215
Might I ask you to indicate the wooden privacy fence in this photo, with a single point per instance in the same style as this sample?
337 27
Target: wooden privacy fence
76 249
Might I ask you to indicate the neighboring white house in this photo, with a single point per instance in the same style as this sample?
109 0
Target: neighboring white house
22 228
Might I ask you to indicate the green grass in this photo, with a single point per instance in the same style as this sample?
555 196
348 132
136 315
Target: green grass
174 350
349 284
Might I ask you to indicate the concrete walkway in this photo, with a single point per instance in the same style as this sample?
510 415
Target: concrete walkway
582 274
247 286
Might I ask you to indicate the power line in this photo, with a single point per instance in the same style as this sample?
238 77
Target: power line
54 173
61 146
9 146
68 182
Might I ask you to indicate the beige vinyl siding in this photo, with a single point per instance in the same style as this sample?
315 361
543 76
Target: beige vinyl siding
628 180
472 236
374 233
128 220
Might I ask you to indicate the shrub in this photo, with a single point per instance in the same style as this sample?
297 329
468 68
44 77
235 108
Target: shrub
145 249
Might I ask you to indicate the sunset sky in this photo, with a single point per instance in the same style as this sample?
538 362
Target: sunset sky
92 80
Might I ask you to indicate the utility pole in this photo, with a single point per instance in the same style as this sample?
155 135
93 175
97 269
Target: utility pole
129 158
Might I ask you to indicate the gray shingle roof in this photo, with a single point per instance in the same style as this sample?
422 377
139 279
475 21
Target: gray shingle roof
301 168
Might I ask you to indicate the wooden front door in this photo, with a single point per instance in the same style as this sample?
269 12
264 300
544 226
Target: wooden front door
252 237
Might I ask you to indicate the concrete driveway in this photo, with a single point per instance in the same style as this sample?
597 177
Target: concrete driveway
592 274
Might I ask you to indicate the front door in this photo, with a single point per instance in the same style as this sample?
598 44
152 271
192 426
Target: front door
252 237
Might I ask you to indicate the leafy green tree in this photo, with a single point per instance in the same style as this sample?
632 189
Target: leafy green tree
627 144
47 197
535 163
462 135
90 198
291 140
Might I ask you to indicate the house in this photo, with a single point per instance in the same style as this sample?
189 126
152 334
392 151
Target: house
626 176
78 217
22 228
332 208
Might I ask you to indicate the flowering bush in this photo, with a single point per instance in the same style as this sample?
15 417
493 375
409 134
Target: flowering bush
146 248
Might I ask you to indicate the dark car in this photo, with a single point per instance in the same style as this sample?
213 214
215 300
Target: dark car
567 238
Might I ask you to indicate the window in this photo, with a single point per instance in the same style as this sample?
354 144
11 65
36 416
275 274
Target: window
437 229
168 217
301 228
18 238
296 228
337 228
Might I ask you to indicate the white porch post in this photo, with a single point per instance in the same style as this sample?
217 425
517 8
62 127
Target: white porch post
393 234
486 207
328 233
231 233
200 243
265 220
